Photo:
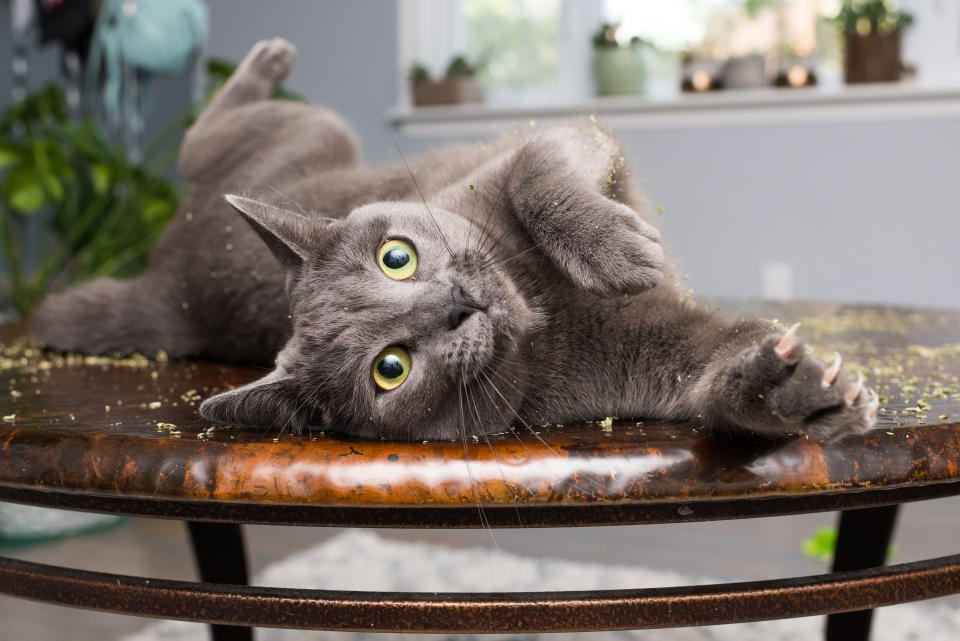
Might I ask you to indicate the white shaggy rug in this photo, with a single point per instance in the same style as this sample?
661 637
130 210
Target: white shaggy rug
362 560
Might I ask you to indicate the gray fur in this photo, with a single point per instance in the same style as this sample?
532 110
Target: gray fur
546 237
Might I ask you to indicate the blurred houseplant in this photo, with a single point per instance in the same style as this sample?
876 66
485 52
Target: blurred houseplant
459 84
871 31
97 212
618 69
93 210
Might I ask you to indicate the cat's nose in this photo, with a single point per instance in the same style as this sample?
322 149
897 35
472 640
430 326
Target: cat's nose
460 309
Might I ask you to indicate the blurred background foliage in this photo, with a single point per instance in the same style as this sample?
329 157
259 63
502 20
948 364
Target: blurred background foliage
103 211
99 212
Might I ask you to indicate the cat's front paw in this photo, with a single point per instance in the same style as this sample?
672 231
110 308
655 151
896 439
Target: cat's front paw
776 387
614 252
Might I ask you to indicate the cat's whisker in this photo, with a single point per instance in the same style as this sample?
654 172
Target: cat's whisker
473 484
543 442
417 186
288 199
515 256
493 454
506 230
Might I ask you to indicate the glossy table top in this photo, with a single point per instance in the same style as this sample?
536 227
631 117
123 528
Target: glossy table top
93 426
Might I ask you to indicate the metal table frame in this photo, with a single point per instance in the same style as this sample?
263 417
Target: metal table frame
858 583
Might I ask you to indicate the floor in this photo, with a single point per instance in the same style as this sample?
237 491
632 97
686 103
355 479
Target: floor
754 549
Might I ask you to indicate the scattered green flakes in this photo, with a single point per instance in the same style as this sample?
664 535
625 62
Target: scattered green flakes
880 321
154 405
606 424
10 418
169 428
207 433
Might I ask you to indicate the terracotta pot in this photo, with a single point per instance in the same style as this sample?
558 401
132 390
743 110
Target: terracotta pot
872 58
449 91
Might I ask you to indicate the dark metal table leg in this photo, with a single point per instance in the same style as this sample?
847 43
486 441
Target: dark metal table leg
862 542
218 550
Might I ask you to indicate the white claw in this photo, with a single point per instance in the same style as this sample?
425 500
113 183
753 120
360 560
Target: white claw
786 344
830 374
851 396
873 406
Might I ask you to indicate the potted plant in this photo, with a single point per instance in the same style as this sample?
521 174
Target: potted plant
458 85
618 69
871 34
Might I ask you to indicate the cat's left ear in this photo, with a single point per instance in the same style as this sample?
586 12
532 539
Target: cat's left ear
291 237
272 401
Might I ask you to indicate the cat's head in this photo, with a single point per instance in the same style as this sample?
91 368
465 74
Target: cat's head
402 329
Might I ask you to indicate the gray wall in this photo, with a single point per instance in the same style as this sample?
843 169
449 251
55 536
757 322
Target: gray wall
862 212
346 54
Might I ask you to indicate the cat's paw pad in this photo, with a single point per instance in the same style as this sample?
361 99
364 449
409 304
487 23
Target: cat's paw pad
620 253
270 59
784 388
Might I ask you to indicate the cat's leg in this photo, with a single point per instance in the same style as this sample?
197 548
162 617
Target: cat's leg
241 128
566 187
108 315
766 382
262 71
259 74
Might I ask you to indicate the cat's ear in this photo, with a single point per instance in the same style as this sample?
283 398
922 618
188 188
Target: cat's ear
272 401
290 236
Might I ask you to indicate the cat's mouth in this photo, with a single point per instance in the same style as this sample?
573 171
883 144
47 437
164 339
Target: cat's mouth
491 334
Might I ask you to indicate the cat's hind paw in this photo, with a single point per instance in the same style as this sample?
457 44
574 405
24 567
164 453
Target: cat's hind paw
266 65
776 386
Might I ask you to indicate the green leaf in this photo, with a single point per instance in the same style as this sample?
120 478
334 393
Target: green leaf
24 191
101 177
8 156
822 545
158 210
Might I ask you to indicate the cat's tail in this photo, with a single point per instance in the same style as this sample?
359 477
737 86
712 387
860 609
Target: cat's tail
106 316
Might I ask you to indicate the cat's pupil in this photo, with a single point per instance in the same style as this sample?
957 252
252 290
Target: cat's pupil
390 366
396 258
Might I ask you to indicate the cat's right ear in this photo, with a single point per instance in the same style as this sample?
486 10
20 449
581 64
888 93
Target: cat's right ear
272 401
290 236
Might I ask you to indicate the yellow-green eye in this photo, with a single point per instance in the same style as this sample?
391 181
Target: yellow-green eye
398 260
391 367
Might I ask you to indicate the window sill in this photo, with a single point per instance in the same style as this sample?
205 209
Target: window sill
863 103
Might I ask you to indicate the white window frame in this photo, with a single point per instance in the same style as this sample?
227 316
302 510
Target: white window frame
432 32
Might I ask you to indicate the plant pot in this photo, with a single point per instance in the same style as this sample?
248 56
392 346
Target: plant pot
746 72
449 91
618 71
872 58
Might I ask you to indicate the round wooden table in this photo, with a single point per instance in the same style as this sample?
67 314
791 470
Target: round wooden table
122 436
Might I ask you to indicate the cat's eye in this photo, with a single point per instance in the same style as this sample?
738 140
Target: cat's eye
391 367
397 259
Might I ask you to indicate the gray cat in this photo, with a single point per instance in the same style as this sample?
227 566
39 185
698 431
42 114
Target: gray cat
478 286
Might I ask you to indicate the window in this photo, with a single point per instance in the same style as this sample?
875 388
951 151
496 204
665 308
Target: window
531 52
